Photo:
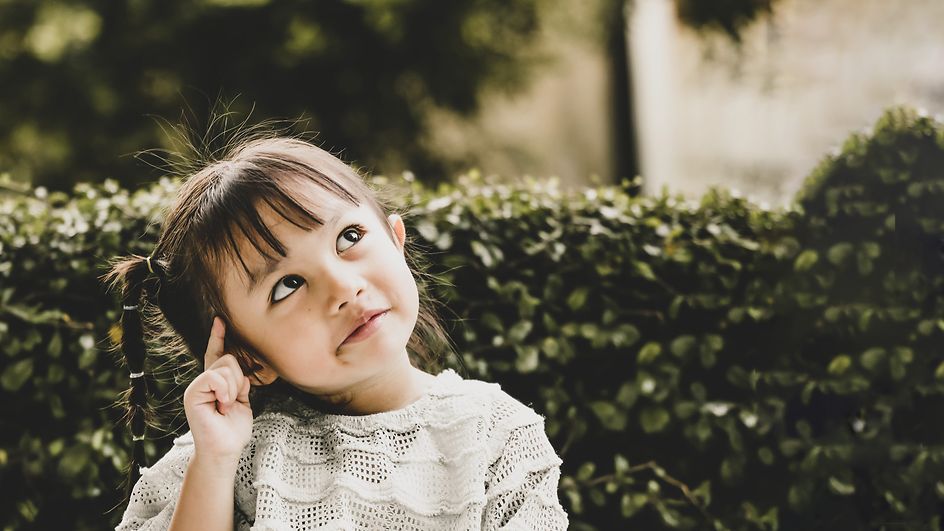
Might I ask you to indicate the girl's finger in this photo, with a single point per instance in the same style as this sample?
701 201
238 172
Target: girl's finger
243 395
215 344
213 386
223 393
230 369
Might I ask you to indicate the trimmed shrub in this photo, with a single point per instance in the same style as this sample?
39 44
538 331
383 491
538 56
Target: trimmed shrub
708 365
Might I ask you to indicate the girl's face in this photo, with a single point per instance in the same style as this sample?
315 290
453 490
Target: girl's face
303 307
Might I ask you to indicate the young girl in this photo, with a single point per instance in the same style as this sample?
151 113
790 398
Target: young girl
283 271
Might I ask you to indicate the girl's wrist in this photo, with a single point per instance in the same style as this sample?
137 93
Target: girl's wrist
216 462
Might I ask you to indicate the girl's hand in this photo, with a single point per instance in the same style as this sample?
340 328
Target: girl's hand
217 403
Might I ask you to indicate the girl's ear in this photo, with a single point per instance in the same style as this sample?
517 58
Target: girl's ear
263 376
399 230
251 363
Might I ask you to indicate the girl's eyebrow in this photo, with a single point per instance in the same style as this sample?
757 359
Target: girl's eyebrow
257 275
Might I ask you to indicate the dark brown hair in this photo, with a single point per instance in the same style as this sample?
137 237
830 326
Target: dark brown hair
171 298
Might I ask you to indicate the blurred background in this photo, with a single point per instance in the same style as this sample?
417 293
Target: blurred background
689 93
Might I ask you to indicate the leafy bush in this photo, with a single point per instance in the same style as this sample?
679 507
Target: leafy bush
700 366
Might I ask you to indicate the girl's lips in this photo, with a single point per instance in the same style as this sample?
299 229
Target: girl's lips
366 330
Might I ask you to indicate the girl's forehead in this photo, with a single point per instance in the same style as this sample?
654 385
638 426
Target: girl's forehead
322 206
314 197
325 208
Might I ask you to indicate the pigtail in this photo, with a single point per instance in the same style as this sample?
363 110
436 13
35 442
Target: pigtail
134 274
132 344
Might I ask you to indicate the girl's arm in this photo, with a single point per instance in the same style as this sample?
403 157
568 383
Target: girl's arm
168 488
206 496
220 418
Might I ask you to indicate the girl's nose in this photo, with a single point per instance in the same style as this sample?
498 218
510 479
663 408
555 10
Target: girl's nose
341 283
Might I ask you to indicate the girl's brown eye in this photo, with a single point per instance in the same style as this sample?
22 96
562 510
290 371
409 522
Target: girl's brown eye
291 281
356 230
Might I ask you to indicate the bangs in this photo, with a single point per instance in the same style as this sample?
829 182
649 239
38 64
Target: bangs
234 212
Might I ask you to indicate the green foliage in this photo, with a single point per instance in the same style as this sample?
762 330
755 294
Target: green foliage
60 445
700 366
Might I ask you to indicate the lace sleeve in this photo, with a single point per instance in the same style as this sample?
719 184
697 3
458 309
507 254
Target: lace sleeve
154 496
521 492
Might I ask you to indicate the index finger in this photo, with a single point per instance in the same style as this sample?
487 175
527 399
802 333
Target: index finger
214 349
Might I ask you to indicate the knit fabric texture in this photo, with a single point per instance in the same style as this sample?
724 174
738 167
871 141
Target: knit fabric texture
465 455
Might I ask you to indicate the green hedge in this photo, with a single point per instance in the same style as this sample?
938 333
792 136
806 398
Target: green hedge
708 365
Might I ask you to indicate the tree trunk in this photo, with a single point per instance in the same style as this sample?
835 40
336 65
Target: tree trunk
622 119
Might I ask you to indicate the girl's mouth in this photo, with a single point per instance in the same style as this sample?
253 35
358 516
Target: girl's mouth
366 330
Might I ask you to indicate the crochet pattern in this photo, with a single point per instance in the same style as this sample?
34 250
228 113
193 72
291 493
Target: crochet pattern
466 455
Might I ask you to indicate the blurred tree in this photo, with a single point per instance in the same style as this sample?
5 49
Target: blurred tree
729 16
81 76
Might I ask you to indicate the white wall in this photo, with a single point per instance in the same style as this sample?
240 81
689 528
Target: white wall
760 118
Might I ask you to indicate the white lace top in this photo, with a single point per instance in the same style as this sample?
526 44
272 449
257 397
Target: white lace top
466 455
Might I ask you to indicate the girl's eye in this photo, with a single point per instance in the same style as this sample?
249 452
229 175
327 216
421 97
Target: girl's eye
293 282
352 235
356 230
